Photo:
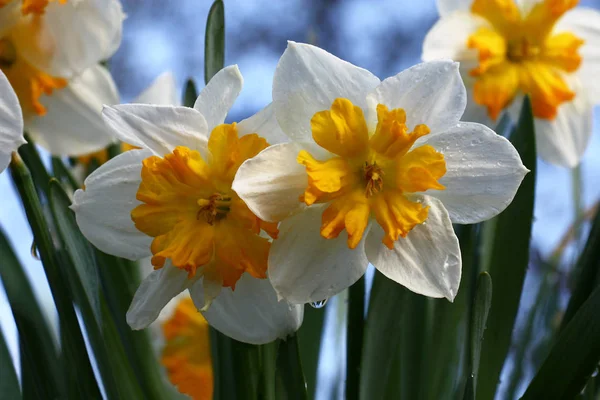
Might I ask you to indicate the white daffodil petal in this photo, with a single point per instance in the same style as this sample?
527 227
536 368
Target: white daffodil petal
430 93
251 313
162 91
103 209
158 128
563 140
272 182
72 36
215 100
155 291
585 23
446 7
448 39
11 122
305 267
73 124
307 80
427 261
265 124
483 173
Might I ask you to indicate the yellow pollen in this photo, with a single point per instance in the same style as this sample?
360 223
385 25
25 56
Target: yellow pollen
197 221
522 54
374 178
372 174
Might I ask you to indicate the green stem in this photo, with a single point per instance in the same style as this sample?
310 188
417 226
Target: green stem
354 338
246 365
290 369
268 355
577 191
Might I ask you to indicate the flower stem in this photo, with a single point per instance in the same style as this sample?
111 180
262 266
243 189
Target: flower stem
577 191
354 337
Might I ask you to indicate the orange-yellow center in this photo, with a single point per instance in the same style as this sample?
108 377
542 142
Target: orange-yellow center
378 174
186 355
196 219
32 6
521 54
25 35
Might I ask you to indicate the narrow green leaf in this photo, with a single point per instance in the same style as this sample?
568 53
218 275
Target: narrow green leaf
450 325
120 279
354 338
246 364
481 308
39 356
289 367
381 336
309 339
506 239
9 384
573 358
588 267
77 369
78 248
34 163
82 276
190 93
63 175
268 360
214 41
223 366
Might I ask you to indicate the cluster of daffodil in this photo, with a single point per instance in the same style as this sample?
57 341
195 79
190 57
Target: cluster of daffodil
341 170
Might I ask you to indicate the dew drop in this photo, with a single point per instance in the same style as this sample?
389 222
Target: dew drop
318 304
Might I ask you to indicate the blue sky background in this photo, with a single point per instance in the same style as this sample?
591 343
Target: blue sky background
384 36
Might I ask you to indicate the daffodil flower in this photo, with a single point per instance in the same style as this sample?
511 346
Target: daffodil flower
546 49
186 353
49 51
11 122
172 200
387 162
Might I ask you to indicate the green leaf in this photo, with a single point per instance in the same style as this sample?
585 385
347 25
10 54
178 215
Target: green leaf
190 93
573 358
448 349
120 279
268 359
246 364
587 267
34 163
354 337
289 368
506 243
77 370
382 336
309 339
481 308
39 356
63 175
223 366
214 42
82 274
9 384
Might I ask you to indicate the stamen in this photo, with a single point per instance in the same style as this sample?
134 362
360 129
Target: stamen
215 208
374 177
522 49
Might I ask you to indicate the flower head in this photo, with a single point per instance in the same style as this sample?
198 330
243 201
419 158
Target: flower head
510 48
11 122
186 354
172 200
376 172
49 51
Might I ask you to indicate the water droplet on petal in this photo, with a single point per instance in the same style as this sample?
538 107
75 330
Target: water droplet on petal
318 304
